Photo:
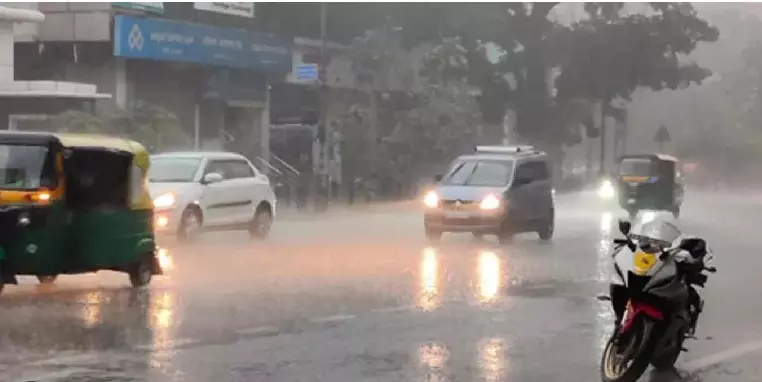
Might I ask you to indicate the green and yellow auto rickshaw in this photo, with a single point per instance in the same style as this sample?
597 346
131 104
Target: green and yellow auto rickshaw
71 204
650 182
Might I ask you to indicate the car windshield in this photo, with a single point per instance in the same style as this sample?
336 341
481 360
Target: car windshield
172 169
636 167
25 167
484 173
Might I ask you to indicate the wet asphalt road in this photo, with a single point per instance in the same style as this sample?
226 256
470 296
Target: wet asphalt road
361 296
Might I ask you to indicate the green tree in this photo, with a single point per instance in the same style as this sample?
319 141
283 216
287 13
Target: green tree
151 125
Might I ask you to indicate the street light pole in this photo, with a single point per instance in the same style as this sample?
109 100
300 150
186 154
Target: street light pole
602 135
323 110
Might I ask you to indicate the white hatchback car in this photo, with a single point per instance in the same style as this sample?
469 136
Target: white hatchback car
209 191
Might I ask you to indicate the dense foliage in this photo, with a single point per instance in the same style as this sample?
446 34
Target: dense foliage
151 125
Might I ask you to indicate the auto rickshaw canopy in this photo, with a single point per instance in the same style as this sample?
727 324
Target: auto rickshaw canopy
83 141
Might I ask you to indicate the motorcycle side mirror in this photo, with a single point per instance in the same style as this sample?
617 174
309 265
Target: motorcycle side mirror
624 227
694 245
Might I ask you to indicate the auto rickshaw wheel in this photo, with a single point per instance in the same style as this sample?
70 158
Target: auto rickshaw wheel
142 272
47 280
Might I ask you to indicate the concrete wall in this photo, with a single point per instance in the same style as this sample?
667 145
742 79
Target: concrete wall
65 21
24 31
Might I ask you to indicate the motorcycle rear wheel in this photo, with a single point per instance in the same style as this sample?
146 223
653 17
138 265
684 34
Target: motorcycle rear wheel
628 368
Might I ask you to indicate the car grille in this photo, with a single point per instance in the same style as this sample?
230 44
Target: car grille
460 205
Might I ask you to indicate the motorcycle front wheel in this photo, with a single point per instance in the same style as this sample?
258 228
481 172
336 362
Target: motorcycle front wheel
625 359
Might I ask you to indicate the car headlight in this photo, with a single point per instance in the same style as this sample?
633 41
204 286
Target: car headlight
167 200
431 199
606 190
490 202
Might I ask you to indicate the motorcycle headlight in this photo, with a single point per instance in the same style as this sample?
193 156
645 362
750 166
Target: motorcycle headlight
167 200
431 199
490 202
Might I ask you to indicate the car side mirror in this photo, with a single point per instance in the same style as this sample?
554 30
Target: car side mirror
624 227
438 178
212 177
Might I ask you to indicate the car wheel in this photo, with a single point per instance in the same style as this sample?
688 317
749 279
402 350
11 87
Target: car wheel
47 280
548 226
190 226
433 235
142 272
260 225
506 233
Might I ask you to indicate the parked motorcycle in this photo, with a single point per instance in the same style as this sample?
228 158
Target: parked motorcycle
653 297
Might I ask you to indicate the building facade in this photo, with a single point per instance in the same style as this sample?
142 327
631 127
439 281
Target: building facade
215 79
227 83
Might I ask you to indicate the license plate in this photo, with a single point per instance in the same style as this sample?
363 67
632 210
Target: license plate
456 215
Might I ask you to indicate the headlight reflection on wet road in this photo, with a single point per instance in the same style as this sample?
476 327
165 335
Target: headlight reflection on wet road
429 298
91 314
162 323
607 219
433 358
492 360
604 317
489 276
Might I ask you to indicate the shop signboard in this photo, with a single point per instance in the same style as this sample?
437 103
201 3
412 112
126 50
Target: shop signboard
166 40
233 9
157 8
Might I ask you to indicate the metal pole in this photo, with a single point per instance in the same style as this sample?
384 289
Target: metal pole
196 127
324 104
602 168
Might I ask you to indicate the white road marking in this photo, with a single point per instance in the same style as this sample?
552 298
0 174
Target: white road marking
168 345
54 376
725 355
258 330
336 318
395 309
65 359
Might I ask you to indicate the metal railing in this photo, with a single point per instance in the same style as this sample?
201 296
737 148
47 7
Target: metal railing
285 179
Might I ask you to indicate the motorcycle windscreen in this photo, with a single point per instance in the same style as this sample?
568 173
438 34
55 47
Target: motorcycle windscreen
660 230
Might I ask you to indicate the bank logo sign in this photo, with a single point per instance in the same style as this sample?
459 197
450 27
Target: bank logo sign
233 9
135 39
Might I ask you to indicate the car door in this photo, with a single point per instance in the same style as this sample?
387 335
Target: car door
218 199
521 203
247 184
260 186
542 189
